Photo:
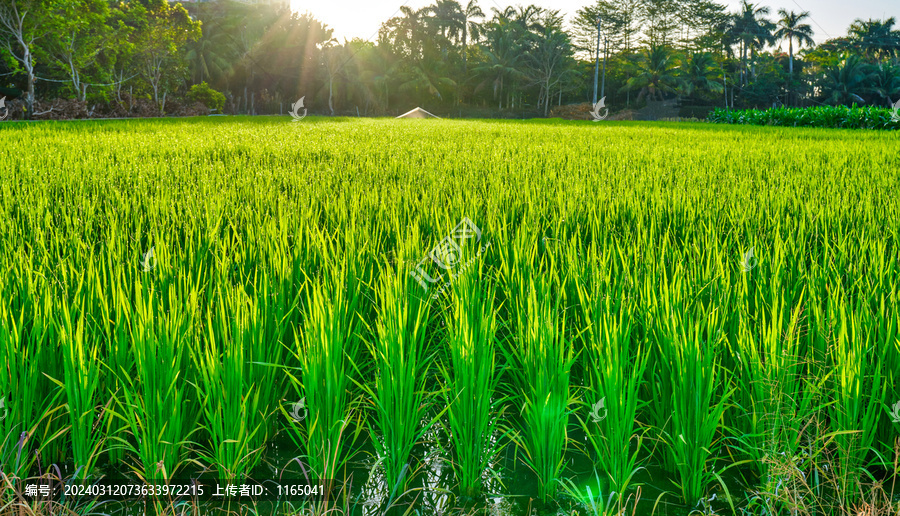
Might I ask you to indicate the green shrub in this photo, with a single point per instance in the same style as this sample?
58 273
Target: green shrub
211 98
821 116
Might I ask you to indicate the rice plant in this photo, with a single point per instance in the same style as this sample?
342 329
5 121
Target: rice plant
400 366
619 271
777 399
541 358
471 376
688 341
230 400
82 386
615 366
31 400
156 404
330 347
858 394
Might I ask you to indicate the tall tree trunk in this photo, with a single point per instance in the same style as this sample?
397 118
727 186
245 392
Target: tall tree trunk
791 71
465 46
791 57
330 93
465 49
29 97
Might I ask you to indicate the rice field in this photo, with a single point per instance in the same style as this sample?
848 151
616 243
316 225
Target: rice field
454 317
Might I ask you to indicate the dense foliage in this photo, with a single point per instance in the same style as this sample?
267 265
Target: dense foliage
453 58
722 307
211 98
823 116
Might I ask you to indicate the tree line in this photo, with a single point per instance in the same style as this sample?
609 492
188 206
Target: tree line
451 57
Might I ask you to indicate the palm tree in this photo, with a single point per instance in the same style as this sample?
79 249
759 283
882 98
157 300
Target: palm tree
470 26
885 83
406 31
447 17
847 82
654 74
875 39
427 75
700 72
752 31
790 28
503 53
333 58
210 57
550 59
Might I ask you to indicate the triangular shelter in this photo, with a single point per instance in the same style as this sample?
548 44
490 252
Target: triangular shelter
417 113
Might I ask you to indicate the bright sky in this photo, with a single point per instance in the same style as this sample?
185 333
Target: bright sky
362 18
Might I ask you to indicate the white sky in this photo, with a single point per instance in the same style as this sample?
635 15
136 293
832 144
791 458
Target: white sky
362 18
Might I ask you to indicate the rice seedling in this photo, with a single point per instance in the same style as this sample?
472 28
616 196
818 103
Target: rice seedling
110 313
777 399
401 366
471 376
329 348
155 404
592 498
690 373
858 393
230 400
82 382
541 358
29 434
615 367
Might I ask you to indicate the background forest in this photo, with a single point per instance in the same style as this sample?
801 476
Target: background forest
146 57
